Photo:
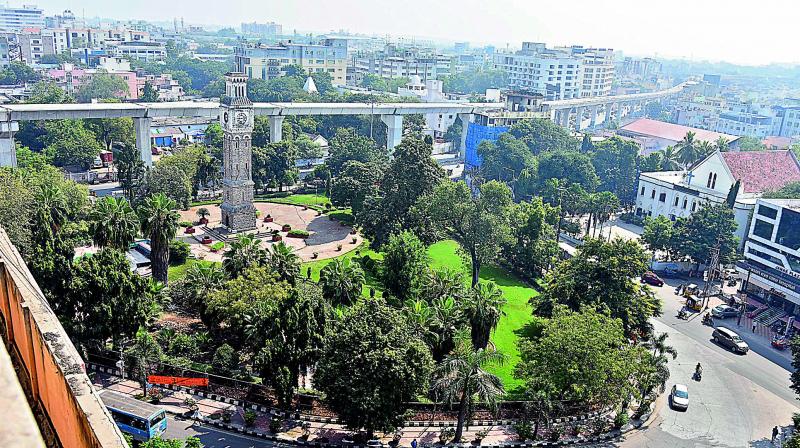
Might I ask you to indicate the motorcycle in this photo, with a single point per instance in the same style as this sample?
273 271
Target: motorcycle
682 314
707 320
698 375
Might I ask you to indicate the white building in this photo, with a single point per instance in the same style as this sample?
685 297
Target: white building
786 122
678 194
17 19
744 124
144 51
429 91
396 62
598 70
771 268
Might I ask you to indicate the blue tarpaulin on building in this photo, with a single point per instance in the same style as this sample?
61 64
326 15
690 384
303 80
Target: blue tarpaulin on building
476 133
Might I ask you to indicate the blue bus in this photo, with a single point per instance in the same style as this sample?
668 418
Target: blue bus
141 420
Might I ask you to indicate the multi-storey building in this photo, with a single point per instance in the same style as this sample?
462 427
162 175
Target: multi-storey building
270 61
17 19
640 67
598 70
68 38
744 124
29 47
262 29
144 51
787 121
556 74
399 62
771 265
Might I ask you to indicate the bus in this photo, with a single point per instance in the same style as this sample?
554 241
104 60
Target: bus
141 420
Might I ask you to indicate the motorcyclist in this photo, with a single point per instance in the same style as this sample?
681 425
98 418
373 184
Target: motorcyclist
698 370
707 317
682 313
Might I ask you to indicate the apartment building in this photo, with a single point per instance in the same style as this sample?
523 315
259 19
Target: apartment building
68 38
744 124
598 70
787 121
262 29
144 51
262 61
17 19
556 75
29 47
401 62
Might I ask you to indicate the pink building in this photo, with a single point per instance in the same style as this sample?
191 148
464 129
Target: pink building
71 79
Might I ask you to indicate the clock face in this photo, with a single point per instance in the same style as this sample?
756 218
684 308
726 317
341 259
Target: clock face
240 119
225 117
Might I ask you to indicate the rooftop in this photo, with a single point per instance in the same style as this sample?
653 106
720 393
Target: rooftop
762 171
792 204
670 131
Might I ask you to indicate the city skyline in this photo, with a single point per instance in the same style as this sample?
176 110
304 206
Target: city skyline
664 29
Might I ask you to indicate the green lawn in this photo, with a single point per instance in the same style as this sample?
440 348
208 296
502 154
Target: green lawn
178 272
301 199
517 311
363 249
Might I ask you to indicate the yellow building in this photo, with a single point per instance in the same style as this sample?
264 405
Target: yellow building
270 61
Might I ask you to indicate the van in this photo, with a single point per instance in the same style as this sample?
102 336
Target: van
730 340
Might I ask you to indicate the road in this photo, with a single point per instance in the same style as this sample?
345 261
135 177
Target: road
737 403
211 437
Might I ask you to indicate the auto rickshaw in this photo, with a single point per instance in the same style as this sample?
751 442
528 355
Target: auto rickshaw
694 303
690 290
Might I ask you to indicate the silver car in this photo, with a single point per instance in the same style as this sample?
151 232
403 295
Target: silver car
679 397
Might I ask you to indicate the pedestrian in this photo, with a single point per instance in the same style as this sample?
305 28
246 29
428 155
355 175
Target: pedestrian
774 434
414 443
754 327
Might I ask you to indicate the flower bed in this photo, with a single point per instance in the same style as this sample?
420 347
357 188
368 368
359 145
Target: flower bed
298 234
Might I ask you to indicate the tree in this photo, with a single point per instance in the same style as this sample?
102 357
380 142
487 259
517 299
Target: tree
347 145
341 281
453 134
275 164
602 276
69 143
106 299
102 86
733 193
462 376
168 180
580 358
284 262
159 221
18 73
387 366
483 311
404 266
571 166
307 148
158 442
144 352
532 247
475 81
412 174
542 135
149 93
689 150
721 144
479 224
794 345
289 337
356 182
16 209
670 160
658 234
214 135
113 223
748 143
506 159
48 92
112 130
614 161
704 229
244 253
788 191
130 170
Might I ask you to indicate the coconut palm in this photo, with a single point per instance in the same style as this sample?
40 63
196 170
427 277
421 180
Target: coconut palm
658 343
243 253
446 319
285 262
670 159
341 281
483 312
461 377
51 207
159 221
722 144
688 149
203 279
113 223
705 148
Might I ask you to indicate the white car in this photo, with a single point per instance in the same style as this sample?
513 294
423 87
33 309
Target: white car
679 397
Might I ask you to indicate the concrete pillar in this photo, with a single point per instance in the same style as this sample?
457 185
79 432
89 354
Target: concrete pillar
578 117
565 117
609 111
593 121
553 115
394 130
275 128
466 119
142 128
8 150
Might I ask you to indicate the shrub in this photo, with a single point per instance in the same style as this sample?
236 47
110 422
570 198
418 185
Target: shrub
219 245
286 228
339 247
369 265
185 224
524 430
570 227
796 420
446 435
631 218
275 425
225 360
249 417
298 234
621 419
178 252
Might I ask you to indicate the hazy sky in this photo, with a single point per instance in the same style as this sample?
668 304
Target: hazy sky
739 31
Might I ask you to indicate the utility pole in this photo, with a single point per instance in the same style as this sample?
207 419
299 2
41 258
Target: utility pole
713 272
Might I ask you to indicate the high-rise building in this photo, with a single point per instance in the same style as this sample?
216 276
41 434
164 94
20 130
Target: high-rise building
262 29
17 19
401 62
270 61
559 73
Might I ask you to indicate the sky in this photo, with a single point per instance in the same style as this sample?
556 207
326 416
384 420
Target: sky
738 31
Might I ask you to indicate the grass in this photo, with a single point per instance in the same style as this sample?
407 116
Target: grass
363 249
313 200
517 310
178 272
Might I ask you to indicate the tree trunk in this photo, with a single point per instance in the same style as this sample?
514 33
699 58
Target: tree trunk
462 414
476 270
159 261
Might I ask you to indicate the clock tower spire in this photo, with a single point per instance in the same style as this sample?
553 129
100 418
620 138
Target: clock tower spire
236 118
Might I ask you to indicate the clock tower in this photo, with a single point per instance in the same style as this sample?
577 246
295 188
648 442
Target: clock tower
236 118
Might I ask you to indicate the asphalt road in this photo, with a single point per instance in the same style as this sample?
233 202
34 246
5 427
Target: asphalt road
211 437
737 403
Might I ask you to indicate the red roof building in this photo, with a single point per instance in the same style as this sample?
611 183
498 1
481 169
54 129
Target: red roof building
762 171
656 135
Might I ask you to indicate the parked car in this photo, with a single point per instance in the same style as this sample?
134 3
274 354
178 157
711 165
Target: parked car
679 397
730 340
724 311
651 278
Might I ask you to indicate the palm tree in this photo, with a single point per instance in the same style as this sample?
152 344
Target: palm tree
204 279
447 317
705 148
52 207
659 346
444 283
243 253
688 150
483 312
285 262
341 281
159 221
461 377
145 351
722 144
113 223
670 159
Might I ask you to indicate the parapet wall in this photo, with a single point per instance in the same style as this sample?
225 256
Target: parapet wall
49 367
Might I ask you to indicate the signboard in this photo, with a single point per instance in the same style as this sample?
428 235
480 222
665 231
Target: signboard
178 381
773 275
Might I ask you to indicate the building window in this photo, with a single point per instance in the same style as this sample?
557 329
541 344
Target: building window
768 212
708 182
642 193
694 206
662 197
787 229
763 229
714 181
685 201
653 194
676 201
